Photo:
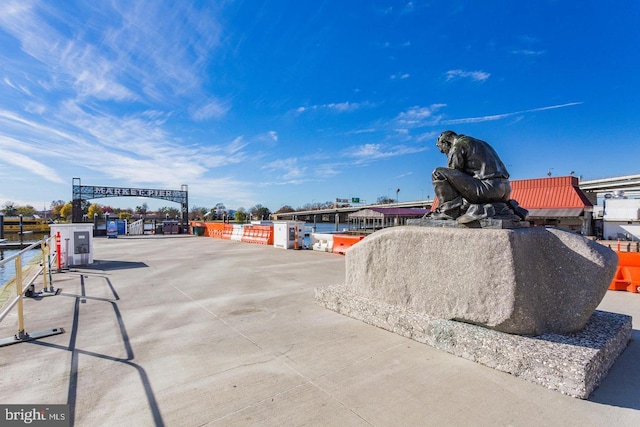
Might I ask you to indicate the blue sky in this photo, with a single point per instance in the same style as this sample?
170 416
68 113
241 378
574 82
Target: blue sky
296 102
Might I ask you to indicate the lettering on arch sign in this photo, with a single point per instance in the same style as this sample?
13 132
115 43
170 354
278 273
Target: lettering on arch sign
88 192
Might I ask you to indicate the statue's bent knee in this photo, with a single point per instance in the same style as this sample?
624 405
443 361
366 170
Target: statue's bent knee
439 174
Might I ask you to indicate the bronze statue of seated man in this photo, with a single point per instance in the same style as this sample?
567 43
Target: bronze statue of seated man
474 184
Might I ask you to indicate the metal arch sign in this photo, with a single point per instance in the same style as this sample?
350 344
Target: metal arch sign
87 192
93 192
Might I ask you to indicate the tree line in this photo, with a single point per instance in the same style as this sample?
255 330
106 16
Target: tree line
60 210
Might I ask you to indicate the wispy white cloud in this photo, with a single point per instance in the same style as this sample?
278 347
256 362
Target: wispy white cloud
403 175
419 116
35 108
479 76
528 52
130 51
212 109
383 10
286 164
343 106
340 107
370 152
164 47
25 90
400 76
291 170
93 74
530 42
409 7
90 73
26 162
236 146
426 136
504 115
361 131
135 147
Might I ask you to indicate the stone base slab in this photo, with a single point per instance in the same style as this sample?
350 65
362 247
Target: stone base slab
572 364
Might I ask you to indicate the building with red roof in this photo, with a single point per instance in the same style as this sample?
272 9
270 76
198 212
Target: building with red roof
557 201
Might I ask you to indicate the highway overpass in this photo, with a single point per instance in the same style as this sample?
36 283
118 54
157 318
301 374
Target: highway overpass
629 184
328 215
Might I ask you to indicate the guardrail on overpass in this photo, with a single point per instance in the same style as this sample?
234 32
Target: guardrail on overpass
630 184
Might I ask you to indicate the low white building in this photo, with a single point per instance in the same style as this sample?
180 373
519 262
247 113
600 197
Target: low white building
621 219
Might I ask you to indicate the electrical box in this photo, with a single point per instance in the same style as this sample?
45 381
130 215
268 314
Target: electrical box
75 243
288 234
80 242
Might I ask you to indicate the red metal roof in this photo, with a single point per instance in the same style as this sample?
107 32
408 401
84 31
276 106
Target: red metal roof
549 193
560 192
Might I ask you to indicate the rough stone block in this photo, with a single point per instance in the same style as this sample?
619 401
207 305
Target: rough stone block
523 281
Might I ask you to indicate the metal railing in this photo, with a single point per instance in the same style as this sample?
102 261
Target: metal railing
136 228
26 288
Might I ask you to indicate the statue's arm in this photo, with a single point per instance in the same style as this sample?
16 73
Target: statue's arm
456 158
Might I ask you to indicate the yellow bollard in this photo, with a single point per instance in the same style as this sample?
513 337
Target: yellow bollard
18 264
45 264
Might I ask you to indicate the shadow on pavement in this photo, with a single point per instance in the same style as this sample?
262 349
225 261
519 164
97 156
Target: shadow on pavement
620 386
75 352
107 265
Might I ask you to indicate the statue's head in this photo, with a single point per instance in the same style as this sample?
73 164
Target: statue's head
445 140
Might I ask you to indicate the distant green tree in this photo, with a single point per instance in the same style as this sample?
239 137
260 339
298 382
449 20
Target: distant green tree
285 209
384 200
219 211
65 211
320 205
56 205
94 208
25 211
9 209
259 212
142 210
241 215
197 212
169 212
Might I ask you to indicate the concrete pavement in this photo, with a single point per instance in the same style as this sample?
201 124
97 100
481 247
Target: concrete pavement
193 331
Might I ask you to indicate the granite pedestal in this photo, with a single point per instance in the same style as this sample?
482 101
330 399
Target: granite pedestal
518 300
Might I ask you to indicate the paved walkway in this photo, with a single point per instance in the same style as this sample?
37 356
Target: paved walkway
194 331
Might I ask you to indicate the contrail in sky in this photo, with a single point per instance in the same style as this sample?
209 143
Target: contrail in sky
503 116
